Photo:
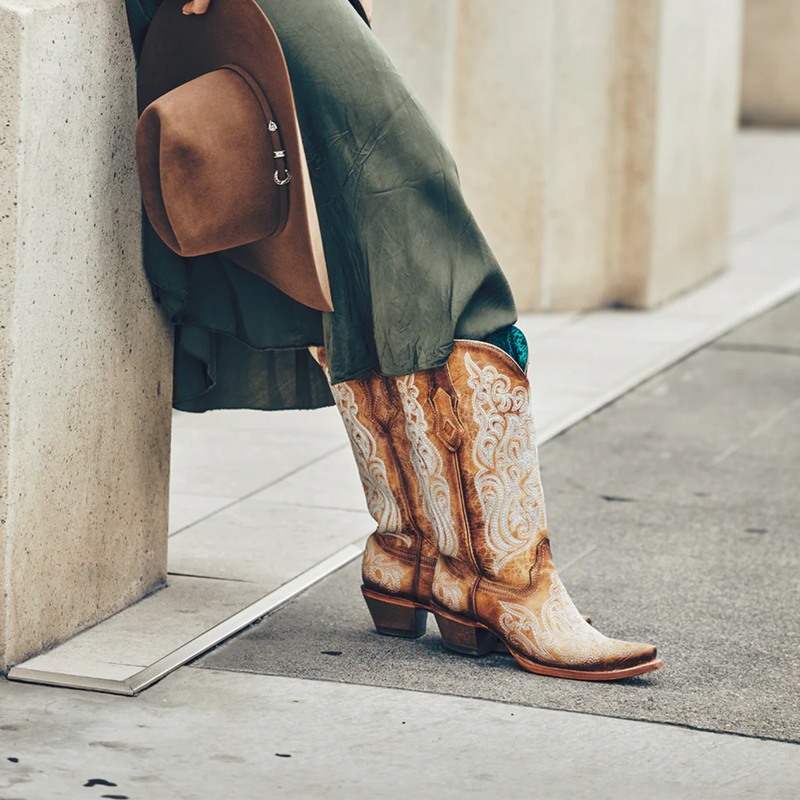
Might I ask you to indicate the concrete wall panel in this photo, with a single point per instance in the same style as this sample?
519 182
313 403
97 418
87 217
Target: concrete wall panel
593 139
501 126
771 63
85 354
697 112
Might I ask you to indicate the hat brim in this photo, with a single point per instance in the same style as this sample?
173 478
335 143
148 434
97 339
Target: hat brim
179 48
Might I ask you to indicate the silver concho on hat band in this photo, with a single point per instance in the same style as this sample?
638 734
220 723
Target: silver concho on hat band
276 154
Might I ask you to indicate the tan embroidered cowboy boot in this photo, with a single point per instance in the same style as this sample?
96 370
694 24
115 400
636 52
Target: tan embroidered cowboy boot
400 556
474 454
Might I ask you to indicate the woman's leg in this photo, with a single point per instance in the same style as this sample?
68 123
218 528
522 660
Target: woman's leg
446 449
409 268
400 556
473 452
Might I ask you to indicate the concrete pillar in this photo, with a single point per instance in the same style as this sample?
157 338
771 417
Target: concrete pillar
421 37
85 373
771 64
594 140
501 131
676 121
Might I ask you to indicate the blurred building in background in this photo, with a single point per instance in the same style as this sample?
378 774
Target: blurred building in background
594 140
771 63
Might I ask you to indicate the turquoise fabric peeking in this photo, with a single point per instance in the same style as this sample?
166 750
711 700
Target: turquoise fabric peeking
409 268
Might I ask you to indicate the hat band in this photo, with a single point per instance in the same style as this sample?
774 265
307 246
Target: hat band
279 153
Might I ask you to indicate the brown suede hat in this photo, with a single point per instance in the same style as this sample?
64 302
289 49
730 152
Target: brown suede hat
218 147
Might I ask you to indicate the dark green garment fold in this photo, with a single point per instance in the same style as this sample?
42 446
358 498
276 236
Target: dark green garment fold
408 266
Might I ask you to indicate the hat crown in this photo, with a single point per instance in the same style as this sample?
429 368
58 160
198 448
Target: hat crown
216 176
209 186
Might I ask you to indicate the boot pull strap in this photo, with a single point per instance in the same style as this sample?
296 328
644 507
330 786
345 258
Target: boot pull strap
446 426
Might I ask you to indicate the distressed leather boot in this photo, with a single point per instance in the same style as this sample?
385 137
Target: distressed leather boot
400 556
474 455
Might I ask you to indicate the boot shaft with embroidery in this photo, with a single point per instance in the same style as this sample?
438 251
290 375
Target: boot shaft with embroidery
399 558
474 454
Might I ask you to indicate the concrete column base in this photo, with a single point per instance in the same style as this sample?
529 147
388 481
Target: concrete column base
85 358
771 65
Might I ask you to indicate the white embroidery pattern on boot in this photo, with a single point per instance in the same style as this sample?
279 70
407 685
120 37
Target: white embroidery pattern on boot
448 591
562 635
429 468
381 569
507 478
371 469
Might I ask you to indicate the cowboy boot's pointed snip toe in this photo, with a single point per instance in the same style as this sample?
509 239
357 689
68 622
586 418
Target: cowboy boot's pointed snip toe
557 641
474 455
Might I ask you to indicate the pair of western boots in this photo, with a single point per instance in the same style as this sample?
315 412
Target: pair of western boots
447 458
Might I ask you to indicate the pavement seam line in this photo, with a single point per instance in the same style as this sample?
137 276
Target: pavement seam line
263 488
744 347
684 725
757 431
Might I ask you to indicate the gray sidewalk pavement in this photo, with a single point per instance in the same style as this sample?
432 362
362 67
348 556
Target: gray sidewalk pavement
203 734
674 513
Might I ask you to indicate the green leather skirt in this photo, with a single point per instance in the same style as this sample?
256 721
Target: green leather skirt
408 266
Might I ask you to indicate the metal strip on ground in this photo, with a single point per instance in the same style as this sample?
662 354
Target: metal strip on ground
197 646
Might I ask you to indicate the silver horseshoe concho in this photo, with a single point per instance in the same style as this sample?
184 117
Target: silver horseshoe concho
283 181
